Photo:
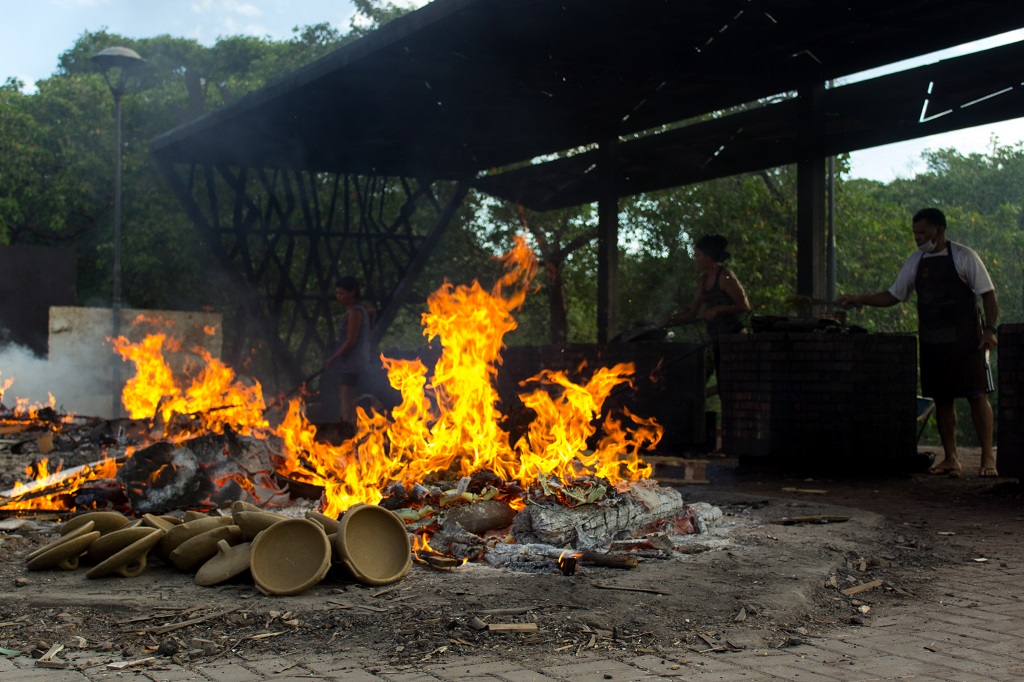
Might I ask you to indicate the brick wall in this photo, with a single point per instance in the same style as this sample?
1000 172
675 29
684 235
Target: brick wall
1011 400
820 399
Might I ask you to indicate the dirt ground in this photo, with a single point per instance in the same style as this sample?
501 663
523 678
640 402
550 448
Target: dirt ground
751 580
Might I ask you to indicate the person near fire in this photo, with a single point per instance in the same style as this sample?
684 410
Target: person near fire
719 293
953 338
350 362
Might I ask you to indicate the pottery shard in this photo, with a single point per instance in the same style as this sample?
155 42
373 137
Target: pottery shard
482 516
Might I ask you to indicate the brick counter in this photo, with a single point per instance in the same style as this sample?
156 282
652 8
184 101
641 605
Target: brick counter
1010 412
820 400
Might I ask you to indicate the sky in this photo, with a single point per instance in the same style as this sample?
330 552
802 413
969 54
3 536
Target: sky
34 33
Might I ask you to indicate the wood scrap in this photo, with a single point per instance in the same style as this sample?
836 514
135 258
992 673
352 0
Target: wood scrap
629 589
512 627
863 587
793 520
609 560
805 491
185 623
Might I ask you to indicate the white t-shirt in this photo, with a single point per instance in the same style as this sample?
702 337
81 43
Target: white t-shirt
968 265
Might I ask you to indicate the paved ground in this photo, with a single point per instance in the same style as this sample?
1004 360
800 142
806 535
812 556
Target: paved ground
969 627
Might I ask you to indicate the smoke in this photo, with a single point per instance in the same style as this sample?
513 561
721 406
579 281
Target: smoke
78 381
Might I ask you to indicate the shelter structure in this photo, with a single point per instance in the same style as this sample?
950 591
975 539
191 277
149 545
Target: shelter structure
358 161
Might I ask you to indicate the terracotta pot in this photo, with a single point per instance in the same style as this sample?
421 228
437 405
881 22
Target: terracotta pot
110 544
86 527
253 523
64 553
130 561
196 551
103 521
290 557
372 545
230 561
189 529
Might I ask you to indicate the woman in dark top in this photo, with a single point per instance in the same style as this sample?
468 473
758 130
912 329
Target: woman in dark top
720 299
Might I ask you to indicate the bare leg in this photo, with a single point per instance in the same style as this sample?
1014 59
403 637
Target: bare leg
981 413
945 418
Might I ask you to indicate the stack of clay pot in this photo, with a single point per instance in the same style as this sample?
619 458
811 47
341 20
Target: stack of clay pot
283 555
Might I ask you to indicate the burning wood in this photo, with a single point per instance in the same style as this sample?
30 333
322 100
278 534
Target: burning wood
573 476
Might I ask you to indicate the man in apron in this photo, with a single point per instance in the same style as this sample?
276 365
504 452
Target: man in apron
953 338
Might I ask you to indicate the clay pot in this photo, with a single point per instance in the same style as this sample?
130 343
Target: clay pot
103 521
154 521
373 545
482 516
189 529
253 523
64 553
290 557
329 524
197 550
110 544
230 561
130 561
192 515
86 527
239 505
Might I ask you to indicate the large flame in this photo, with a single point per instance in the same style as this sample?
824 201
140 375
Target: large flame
448 423
451 423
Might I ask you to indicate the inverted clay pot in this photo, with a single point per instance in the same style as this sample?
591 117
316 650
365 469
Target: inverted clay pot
329 523
290 557
154 521
103 521
230 561
111 543
242 505
189 529
86 527
373 545
130 562
64 553
197 550
253 523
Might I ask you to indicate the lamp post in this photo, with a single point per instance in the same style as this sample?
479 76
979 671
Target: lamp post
116 63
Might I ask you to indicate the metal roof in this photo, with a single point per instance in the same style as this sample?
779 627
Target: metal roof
460 87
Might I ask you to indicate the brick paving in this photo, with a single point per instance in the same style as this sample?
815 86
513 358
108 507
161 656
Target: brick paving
968 627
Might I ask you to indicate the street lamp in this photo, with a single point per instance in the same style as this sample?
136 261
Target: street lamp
116 63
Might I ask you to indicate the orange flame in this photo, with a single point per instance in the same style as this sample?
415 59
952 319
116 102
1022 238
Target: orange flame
451 423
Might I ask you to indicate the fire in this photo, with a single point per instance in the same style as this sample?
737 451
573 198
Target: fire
450 424
215 396
56 489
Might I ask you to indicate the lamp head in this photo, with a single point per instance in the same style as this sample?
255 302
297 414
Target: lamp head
115 63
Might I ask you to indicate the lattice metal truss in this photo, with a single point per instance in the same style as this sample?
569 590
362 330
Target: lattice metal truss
285 236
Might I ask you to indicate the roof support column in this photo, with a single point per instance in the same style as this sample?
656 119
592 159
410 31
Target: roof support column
607 243
811 237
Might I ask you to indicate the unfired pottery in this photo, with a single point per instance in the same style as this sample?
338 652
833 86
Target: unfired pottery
373 545
154 521
103 521
130 561
253 522
230 561
197 550
290 557
86 527
189 529
64 554
329 523
111 543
